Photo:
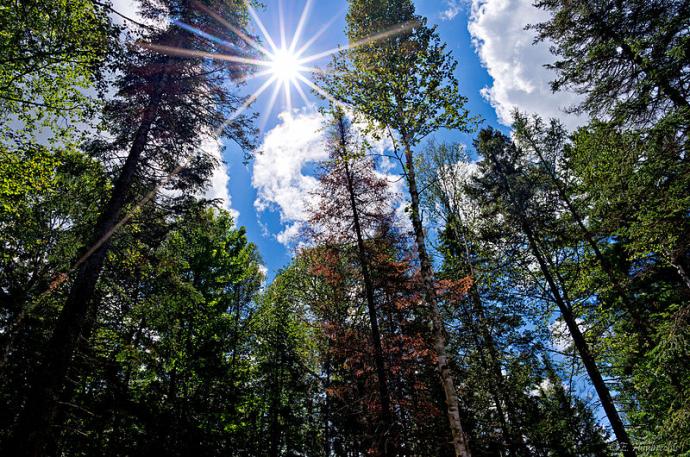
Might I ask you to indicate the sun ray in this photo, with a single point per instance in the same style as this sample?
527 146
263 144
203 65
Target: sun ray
281 24
261 26
202 34
397 30
323 71
288 94
300 91
250 41
245 105
322 92
252 76
270 105
300 26
283 66
170 50
318 34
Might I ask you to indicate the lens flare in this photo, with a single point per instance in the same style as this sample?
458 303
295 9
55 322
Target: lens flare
285 66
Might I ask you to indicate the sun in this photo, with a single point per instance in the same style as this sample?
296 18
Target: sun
285 66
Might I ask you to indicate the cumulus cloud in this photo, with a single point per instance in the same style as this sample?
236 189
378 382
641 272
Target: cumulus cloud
217 188
515 63
282 172
452 10
279 174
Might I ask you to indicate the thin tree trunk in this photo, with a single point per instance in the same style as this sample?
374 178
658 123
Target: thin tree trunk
386 446
589 238
327 407
460 440
33 424
681 272
586 233
516 444
569 318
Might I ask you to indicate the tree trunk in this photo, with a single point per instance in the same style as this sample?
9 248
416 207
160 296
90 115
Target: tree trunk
681 271
513 437
606 266
34 421
460 440
569 318
385 444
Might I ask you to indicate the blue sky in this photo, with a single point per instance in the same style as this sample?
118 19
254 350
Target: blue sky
499 68
263 226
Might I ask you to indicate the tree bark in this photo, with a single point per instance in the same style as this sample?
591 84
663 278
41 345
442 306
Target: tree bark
386 446
30 434
681 272
566 312
606 266
459 438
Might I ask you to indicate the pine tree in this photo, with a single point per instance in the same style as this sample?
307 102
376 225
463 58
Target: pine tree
404 84
503 179
629 58
352 209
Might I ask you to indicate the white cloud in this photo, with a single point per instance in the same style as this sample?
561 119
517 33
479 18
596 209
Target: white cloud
125 11
452 10
279 176
515 63
218 184
560 334
280 172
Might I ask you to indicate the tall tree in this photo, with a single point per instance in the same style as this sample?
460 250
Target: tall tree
404 83
164 109
629 58
444 172
503 180
354 205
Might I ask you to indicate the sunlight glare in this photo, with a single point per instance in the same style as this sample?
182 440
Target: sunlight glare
285 66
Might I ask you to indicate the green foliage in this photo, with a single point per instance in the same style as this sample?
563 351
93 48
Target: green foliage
629 58
637 185
53 53
181 349
404 81
170 350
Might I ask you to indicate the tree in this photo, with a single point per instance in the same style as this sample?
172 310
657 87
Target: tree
629 58
444 172
54 54
48 199
285 375
164 109
640 171
353 204
166 368
632 185
404 83
504 181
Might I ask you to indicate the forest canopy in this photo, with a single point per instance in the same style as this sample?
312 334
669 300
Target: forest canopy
525 293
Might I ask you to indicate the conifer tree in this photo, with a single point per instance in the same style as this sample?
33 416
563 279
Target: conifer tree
164 108
404 84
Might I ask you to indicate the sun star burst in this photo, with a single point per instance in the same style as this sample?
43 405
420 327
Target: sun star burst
286 67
